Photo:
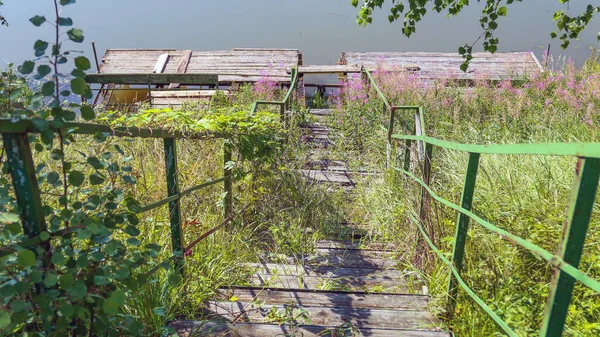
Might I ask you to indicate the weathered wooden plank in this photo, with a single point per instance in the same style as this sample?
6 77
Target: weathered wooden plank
357 244
297 51
325 271
328 69
327 298
152 78
337 177
321 112
187 93
224 329
368 284
351 261
182 67
161 63
330 316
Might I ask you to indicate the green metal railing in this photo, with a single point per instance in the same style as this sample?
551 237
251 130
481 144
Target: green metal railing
15 136
286 103
565 262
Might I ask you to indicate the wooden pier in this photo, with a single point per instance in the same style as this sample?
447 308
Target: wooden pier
169 77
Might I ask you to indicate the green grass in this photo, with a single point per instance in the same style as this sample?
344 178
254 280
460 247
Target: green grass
526 195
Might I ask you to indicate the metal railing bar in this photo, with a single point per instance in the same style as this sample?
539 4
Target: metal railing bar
554 260
198 240
462 283
379 92
180 195
589 150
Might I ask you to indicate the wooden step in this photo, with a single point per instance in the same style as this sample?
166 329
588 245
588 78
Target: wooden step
343 177
250 312
224 329
355 253
355 244
321 112
327 298
326 271
348 260
365 284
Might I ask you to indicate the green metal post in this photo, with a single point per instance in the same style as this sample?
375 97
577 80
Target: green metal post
174 210
391 154
581 203
407 155
227 157
426 180
462 227
27 191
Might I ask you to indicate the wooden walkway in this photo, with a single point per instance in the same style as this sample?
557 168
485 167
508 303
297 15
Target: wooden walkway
495 66
346 288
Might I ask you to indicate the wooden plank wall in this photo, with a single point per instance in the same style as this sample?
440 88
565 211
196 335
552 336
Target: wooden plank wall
240 65
447 65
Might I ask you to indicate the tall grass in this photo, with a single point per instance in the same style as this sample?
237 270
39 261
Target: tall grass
525 195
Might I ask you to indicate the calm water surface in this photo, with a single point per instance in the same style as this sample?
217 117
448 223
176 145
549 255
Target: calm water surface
320 28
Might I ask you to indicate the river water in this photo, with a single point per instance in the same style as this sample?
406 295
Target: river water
322 29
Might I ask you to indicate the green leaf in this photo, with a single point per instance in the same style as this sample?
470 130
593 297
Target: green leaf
96 179
4 319
111 305
174 279
66 281
7 218
502 11
37 20
75 35
87 113
48 88
26 258
52 177
26 67
464 66
65 22
160 311
80 87
354 3
43 70
57 154
129 179
40 47
82 63
66 2
76 178
44 236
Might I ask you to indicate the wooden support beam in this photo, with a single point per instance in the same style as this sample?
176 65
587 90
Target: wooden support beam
152 78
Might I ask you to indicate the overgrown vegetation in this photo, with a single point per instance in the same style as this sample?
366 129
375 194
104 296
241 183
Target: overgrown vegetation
98 267
526 195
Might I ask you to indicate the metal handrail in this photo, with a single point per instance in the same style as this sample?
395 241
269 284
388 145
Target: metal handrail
284 104
15 136
565 263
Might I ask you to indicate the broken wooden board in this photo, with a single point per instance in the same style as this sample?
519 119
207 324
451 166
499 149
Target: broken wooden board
182 67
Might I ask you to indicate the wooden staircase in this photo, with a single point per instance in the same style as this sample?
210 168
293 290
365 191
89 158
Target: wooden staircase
343 288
